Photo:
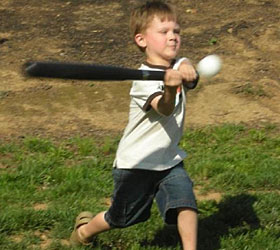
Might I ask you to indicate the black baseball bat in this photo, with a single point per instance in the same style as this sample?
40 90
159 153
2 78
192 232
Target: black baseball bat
85 71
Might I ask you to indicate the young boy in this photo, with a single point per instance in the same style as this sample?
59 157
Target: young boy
149 162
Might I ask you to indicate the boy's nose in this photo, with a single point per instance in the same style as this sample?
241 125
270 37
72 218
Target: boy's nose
172 36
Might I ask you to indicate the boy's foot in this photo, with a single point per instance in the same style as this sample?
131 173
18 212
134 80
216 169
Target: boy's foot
82 219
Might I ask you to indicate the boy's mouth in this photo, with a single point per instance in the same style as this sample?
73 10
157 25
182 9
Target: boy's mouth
174 46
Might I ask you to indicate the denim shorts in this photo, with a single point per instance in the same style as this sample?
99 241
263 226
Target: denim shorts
136 189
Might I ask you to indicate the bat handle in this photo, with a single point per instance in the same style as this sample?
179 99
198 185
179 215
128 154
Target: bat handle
153 75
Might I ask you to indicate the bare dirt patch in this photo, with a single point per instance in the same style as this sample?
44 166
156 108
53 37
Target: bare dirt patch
207 196
40 206
245 33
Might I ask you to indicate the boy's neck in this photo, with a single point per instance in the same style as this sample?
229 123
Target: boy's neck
160 66
165 63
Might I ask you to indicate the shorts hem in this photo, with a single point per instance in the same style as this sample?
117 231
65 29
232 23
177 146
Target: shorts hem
108 220
182 203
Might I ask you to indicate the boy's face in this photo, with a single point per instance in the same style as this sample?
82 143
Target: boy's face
161 41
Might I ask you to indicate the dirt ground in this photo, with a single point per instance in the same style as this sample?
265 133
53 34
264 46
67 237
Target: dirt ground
245 33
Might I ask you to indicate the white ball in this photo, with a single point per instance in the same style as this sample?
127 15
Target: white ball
209 66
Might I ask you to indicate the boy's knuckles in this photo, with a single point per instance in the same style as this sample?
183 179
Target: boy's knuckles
173 78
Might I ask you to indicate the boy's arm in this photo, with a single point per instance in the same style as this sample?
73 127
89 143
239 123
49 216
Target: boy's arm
186 73
164 104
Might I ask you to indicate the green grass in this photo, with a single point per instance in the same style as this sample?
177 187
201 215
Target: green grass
250 89
44 184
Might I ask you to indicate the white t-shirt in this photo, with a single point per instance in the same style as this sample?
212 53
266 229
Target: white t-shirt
150 140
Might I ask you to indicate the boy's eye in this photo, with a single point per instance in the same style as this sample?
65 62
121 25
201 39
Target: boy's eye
175 31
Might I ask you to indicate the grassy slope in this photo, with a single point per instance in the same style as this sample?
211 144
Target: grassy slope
44 184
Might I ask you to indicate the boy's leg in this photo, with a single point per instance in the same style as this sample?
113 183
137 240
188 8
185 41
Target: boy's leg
176 202
130 204
97 225
187 227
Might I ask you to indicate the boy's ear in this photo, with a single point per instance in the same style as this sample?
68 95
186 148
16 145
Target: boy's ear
140 40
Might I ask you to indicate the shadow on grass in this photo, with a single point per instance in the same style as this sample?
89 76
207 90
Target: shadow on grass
235 215
168 236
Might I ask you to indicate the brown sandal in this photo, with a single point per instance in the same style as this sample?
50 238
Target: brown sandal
82 219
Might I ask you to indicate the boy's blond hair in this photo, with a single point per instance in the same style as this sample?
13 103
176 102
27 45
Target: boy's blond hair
143 15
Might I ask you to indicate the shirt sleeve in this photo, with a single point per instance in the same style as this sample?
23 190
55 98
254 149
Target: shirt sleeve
143 92
179 61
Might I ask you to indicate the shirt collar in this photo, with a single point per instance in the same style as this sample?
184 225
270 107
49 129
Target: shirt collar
160 66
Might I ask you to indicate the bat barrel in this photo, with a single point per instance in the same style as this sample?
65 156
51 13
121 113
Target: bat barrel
89 72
